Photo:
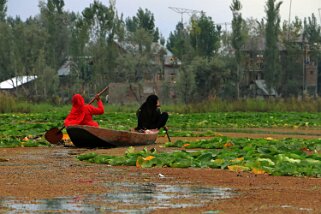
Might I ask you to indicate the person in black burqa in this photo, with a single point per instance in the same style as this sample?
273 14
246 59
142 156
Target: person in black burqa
149 115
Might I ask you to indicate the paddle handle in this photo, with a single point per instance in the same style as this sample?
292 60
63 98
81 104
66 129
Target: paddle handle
166 130
100 93
61 128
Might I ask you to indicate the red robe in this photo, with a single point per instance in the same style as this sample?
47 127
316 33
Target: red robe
81 113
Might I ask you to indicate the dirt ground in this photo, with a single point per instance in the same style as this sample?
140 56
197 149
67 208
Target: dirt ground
30 176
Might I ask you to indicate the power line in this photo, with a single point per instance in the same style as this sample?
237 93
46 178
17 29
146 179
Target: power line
182 11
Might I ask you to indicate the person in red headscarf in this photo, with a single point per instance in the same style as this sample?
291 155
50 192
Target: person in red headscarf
81 113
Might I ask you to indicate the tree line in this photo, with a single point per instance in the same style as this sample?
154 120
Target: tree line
213 61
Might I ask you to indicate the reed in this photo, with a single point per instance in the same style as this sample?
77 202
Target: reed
249 105
10 104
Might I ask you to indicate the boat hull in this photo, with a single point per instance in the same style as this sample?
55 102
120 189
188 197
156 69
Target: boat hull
89 136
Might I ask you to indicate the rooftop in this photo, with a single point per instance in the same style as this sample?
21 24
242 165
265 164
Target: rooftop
16 82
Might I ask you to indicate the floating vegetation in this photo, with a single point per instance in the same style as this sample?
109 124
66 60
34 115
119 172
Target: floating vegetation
28 141
189 125
291 157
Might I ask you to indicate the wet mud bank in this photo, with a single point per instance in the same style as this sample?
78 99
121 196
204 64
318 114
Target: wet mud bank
38 180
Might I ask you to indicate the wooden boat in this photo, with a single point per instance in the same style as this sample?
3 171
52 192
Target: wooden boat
88 136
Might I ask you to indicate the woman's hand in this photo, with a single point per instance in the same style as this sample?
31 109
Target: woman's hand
97 97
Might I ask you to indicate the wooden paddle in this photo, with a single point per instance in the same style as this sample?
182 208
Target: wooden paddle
166 130
54 135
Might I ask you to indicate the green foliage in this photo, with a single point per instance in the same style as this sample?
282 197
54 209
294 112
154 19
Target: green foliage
12 104
20 125
179 44
94 42
312 32
7 103
205 36
6 52
238 36
275 157
189 125
238 40
186 85
3 10
272 66
55 25
12 142
143 20
292 75
209 75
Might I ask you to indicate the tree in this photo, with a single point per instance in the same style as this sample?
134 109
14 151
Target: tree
255 28
185 84
3 10
44 88
209 75
291 75
143 20
135 63
238 40
179 44
7 61
6 54
103 26
272 66
312 33
205 36
56 23
100 19
29 38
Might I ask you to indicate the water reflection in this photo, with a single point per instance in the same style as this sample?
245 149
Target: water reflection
123 198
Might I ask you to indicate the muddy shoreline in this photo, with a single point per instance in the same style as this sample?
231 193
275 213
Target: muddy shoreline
53 180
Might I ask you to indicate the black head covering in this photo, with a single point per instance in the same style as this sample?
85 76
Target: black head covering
148 113
151 101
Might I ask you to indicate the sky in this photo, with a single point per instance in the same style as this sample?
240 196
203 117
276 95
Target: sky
166 18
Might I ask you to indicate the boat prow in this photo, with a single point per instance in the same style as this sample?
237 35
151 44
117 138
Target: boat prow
89 136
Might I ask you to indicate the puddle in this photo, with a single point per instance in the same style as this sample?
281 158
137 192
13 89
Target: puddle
65 204
123 198
296 208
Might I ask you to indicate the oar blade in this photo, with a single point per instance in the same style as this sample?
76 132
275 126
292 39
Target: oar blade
54 135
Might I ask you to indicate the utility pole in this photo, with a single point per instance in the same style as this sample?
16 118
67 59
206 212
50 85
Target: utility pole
182 11
319 14
289 22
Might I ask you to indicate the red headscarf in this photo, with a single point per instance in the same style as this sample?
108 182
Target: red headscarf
77 113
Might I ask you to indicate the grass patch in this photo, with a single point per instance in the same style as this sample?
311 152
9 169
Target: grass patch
249 105
10 104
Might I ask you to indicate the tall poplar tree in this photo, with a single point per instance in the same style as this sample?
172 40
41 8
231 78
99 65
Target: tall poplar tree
205 36
3 10
144 19
55 21
272 67
238 40
179 44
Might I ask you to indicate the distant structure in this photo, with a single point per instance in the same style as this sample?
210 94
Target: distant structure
16 82
182 11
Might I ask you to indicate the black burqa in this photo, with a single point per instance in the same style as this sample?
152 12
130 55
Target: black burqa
149 115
